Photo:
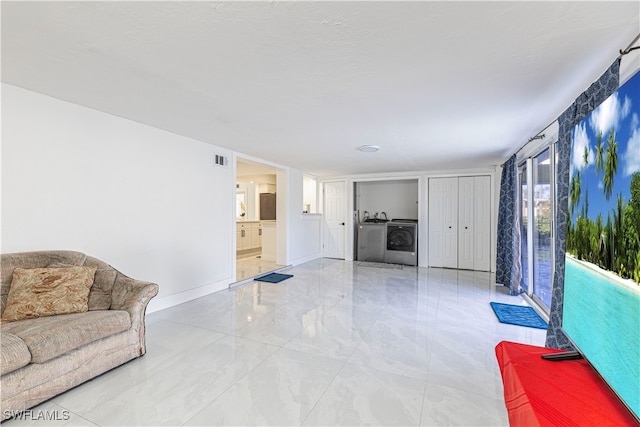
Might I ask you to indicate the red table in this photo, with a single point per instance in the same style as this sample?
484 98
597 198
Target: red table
540 392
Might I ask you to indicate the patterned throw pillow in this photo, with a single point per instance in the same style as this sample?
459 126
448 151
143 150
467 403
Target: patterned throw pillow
38 292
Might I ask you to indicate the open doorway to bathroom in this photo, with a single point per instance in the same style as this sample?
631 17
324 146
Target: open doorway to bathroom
256 219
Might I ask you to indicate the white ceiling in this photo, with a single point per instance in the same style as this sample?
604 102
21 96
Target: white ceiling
437 85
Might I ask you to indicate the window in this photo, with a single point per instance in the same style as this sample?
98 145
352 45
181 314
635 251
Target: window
541 227
536 192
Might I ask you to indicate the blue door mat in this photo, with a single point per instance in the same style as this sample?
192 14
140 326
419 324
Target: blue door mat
273 277
518 315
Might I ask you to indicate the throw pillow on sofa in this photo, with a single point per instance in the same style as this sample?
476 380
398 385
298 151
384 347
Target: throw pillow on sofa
40 292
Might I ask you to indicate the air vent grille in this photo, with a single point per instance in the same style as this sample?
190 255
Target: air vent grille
221 160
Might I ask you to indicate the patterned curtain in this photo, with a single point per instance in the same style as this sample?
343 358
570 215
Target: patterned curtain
506 254
583 105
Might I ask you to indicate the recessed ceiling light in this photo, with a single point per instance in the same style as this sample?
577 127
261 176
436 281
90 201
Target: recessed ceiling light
368 148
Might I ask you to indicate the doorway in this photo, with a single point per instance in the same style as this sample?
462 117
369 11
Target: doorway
256 219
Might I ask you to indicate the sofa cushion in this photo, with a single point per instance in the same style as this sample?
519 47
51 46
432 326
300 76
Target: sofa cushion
51 336
15 353
40 292
9 262
100 292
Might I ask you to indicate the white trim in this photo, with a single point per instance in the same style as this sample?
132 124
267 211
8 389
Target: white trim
157 304
411 174
388 178
308 258
530 253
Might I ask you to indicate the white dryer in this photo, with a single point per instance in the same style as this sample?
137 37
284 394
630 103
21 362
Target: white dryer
402 242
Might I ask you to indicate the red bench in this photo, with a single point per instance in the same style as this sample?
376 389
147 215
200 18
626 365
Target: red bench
540 392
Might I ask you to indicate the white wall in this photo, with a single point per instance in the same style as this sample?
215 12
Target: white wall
151 203
304 241
397 198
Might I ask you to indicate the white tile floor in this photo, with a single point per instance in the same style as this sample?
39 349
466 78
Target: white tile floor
337 344
252 265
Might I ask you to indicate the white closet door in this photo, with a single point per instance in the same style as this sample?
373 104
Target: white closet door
460 222
466 220
443 222
482 223
436 222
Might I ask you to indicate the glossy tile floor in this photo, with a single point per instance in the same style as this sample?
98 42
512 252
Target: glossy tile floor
337 344
251 265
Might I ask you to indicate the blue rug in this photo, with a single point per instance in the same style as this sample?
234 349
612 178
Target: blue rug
518 315
273 277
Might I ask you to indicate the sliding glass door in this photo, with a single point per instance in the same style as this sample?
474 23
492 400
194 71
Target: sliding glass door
541 227
536 178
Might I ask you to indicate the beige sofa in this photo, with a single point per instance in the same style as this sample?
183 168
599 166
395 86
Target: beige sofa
45 356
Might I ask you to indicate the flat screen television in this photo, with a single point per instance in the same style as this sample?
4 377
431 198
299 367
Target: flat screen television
601 311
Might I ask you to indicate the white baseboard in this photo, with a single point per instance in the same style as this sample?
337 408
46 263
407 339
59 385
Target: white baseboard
157 304
302 260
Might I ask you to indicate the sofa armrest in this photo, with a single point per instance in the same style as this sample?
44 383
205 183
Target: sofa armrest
133 296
